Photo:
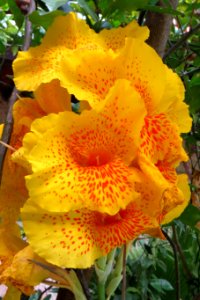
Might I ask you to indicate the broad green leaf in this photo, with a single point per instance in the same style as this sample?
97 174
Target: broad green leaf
18 16
162 10
46 19
190 216
161 284
127 5
192 94
112 286
109 7
86 8
2 47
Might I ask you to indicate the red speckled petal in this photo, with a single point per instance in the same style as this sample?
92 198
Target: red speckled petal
161 140
75 239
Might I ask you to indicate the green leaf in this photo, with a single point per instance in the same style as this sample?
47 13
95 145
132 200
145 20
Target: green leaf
18 16
122 6
54 4
161 284
163 10
48 297
112 285
190 216
4 5
133 290
46 19
2 47
83 4
192 94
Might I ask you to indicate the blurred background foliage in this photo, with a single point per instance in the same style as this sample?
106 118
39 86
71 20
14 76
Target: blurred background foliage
156 269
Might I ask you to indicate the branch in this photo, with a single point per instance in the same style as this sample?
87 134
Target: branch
176 264
182 40
191 72
64 294
178 247
159 26
8 127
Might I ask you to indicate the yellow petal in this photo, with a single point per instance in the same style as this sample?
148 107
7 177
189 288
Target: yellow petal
87 77
42 64
141 65
90 79
52 98
10 244
172 102
115 38
1 129
182 196
161 140
151 186
75 239
83 160
13 192
22 273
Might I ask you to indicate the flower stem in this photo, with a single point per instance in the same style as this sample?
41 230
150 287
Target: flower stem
101 291
124 274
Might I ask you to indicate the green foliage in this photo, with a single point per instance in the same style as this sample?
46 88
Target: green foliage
191 216
53 4
44 20
17 14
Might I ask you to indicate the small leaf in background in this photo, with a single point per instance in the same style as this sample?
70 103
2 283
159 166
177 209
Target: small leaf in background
18 16
161 284
126 5
192 94
54 4
48 297
86 8
162 10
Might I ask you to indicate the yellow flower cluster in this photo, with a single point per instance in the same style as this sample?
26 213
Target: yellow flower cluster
96 179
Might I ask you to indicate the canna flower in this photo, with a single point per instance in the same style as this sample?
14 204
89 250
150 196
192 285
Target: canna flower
13 192
71 36
83 160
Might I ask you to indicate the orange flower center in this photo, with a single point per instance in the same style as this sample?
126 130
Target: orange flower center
98 158
105 219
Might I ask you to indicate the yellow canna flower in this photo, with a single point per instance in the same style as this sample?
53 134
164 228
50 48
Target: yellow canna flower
75 239
83 160
98 179
70 35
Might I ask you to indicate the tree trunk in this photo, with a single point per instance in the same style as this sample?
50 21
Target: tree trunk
159 26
